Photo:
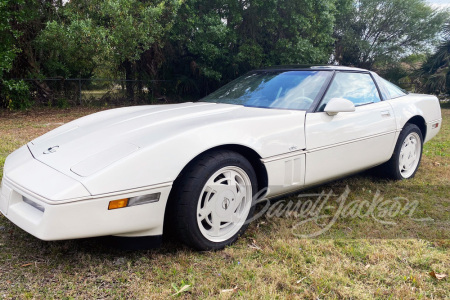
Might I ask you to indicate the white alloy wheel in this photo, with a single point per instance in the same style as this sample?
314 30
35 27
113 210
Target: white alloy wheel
407 154
410 155
224 204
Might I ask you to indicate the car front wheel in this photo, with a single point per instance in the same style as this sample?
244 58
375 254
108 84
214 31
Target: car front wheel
213 200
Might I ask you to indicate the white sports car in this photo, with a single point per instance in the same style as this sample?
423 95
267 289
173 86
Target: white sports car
197 166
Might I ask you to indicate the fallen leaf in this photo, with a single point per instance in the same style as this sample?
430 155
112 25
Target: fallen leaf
26 265
254 246
437 275
230 290
437 164
367 266
227 256
185 288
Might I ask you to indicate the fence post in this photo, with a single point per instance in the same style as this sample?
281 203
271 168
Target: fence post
153 92
79 85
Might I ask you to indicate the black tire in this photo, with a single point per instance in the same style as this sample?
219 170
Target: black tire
185 197
391 168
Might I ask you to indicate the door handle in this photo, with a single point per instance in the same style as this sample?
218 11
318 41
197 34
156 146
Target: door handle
386 113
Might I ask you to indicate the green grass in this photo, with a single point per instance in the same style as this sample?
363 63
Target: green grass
357 258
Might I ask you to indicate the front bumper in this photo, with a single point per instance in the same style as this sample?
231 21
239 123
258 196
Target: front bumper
59 207
84 218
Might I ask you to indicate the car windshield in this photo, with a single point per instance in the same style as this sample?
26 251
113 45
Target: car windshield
272 89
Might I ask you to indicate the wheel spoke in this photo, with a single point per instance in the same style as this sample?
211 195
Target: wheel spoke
240 198
215 224
227 179
234 183
402 160
232 218
203 214
210 196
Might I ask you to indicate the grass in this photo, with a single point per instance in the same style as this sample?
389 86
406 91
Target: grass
358 257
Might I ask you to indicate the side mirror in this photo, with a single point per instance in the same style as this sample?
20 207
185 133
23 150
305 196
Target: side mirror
337 105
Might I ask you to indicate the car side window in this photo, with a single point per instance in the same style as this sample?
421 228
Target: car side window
393 90
356 87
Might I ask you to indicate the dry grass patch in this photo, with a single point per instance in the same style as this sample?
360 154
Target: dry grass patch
358 258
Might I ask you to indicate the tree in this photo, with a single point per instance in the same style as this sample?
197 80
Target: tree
379 31
8 35
113 33
73 50
28 61
436 69
215 41
13 93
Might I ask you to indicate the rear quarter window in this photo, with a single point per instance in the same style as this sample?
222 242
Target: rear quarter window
391 89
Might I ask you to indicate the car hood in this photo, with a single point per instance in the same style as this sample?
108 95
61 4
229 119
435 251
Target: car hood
85 146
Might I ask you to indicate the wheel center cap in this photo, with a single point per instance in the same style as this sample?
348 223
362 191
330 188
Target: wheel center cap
224 204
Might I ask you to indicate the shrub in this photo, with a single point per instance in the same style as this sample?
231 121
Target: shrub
16 94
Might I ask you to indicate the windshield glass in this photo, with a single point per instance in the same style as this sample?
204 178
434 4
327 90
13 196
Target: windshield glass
269 89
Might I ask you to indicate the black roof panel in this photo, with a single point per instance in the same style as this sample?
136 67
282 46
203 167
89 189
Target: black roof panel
309 67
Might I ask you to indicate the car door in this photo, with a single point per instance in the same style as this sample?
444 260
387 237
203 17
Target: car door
349 141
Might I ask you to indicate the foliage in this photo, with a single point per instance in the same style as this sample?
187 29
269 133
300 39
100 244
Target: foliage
16 94
384 30
436 69
94 33
216 41
21 21
10 13
71 51
198 45
403 72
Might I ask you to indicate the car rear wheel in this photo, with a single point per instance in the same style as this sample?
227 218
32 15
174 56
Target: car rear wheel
213 200
407 154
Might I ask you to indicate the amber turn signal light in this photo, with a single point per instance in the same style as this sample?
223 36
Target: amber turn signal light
118 204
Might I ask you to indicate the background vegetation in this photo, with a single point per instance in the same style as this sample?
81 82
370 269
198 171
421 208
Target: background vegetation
195 46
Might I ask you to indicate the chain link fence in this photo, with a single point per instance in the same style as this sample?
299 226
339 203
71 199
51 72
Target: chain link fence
65 92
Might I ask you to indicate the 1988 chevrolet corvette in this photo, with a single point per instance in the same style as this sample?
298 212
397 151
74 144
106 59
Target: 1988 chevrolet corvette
128 171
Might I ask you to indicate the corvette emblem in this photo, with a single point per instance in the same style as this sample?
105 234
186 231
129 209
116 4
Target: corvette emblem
51 150
226 203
